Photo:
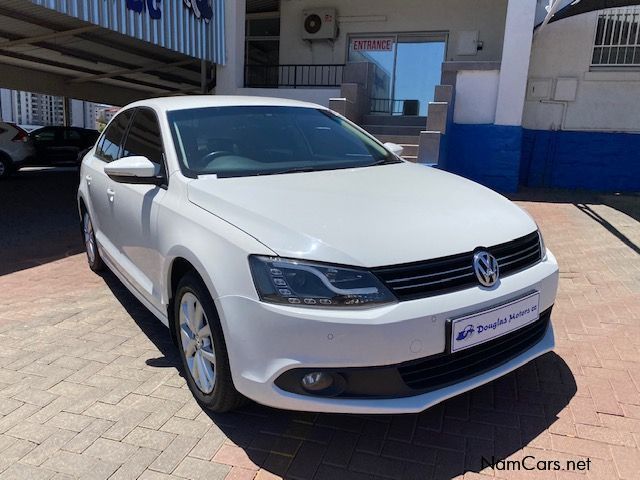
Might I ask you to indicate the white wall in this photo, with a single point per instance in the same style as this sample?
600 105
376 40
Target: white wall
453 16
605 101
230 76
476 96
355 17
515 62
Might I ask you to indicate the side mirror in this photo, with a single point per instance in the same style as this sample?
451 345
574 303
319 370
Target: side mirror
136 169
394 148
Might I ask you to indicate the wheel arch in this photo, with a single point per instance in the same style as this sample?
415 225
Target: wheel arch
4 156
181 263
82 205
82 208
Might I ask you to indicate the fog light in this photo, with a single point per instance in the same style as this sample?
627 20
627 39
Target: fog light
317 381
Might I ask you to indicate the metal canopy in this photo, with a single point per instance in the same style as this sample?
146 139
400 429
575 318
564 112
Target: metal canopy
45 51
584 6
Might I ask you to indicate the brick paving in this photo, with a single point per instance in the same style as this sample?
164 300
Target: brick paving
89 384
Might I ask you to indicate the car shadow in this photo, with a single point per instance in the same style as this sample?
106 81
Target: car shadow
38 218
462 434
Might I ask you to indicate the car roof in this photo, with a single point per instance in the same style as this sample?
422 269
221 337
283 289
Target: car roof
200 101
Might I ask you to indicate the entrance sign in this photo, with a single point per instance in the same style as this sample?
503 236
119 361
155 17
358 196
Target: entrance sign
384 44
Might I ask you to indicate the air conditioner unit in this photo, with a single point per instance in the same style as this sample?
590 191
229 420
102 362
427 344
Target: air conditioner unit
319 24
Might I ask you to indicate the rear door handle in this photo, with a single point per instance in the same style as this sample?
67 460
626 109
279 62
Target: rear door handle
111 194
88 179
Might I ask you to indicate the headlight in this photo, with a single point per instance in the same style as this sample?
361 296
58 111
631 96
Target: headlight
543 249
309 284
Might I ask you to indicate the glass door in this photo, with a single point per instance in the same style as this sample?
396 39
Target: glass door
381 51
408 67
417 71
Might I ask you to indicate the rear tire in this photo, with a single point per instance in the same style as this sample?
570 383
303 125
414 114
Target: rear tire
91 246
202 347
6 167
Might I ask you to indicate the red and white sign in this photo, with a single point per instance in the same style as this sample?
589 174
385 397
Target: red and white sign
372 44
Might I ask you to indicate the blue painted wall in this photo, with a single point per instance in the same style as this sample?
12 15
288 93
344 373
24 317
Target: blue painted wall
503 157
487 154
586 160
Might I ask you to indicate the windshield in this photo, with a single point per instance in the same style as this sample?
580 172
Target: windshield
266 140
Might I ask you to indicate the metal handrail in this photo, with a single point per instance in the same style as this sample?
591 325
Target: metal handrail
293 75
392 106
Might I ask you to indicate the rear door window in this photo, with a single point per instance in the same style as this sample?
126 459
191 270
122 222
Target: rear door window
109 147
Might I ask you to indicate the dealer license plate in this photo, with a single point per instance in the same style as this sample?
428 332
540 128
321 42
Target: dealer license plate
481 327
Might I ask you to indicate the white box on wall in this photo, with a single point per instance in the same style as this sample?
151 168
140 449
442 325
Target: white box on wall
566 89
539 89
467 43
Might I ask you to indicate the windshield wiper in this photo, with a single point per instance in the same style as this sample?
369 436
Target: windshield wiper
290 170
384 161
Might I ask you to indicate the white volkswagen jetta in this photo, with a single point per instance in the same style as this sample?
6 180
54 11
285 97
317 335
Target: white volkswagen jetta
299 262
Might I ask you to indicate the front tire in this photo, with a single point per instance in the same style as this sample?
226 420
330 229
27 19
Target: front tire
202 347
91 246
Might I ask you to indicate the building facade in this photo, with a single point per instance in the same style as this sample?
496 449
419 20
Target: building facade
32 108
581 119
506 92
491 90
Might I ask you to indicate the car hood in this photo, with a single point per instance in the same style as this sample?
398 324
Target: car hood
373 216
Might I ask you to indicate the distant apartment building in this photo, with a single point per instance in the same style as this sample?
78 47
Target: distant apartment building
33 108
30 108
104 114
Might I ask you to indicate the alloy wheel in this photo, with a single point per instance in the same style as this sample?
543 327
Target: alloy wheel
89 237
197 343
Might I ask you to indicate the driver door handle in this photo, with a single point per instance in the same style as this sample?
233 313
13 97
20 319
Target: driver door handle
111 194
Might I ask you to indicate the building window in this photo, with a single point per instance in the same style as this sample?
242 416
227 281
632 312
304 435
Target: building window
617 39
262 43
262 55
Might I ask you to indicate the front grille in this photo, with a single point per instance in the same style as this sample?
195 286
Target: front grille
446 368
422 279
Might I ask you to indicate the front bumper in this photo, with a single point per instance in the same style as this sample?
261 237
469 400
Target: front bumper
264 341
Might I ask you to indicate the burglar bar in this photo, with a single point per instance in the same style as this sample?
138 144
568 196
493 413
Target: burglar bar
617 38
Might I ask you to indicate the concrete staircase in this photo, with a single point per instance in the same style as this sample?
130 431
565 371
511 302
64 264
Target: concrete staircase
420 137
423 138
439 119
403 130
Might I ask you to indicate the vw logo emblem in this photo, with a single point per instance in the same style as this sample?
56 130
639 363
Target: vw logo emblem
486 268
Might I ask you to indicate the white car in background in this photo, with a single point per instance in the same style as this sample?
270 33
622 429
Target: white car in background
16 148
299 262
